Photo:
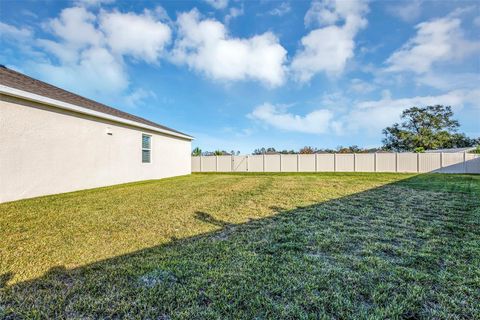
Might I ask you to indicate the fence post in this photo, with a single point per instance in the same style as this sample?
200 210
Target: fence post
280 162
247 161
263 159
334 162
418 162
354 162
315 155
200 163
298 162
396 162
216 163
441 162
375 162
464 162
231 164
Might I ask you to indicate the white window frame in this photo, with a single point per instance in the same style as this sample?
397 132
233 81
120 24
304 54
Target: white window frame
149 149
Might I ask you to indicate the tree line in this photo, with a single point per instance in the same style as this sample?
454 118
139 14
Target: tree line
420 129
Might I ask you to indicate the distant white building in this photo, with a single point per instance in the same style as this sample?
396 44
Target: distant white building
54 141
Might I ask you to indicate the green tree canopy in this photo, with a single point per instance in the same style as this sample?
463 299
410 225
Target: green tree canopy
423 128
197 152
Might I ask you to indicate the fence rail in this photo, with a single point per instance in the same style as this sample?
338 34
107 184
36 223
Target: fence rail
341 162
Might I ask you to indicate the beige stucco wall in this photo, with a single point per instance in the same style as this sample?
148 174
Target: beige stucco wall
44 150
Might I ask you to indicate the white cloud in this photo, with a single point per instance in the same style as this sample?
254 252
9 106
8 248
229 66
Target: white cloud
205 46
324 50
360 86
7 30
448 80
374 115
64 52
217 4
328 48
315 122
96 72
162 15
90 50
137 97
281 10
407 11
233 13
368 117
439 40
93 3
76 27
328 12
138 35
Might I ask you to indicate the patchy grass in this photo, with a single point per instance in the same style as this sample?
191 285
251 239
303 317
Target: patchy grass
247 246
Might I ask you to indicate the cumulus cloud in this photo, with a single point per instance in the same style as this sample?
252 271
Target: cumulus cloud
233 13
206 46
7 30
374 115
217 4
92 3
449 80
277 116
75 27
369 116
361 86
95 72
329 47
406 11
90 50
438 40
138 35
281 10
137 97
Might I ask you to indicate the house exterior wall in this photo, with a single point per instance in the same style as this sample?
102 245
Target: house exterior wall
45 150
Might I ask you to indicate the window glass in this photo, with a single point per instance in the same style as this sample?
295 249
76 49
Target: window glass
146 148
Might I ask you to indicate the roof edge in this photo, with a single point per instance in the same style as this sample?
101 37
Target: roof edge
17 93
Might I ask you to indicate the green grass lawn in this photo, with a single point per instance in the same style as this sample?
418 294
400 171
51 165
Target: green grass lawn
251 246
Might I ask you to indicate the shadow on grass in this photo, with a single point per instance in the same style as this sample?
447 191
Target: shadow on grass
208 218
405 250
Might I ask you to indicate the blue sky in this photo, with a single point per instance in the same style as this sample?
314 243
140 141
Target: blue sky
240 75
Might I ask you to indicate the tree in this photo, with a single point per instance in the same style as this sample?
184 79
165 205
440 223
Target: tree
264 150
476 150
288 152
197 152
307 150
259 151
430 127
351 149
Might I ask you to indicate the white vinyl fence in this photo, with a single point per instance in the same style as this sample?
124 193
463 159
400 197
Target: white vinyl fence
341 162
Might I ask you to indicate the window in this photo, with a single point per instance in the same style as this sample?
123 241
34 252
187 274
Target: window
146 148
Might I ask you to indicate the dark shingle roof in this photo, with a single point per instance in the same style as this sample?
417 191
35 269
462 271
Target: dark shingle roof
20 81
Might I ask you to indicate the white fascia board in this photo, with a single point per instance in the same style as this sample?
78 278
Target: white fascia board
71 107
